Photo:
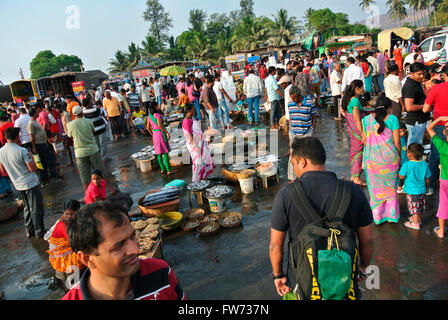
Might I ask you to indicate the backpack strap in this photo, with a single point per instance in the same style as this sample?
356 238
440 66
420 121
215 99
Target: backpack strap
301 201
343 193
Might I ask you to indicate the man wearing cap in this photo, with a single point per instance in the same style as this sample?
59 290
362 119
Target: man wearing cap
285 83
88 156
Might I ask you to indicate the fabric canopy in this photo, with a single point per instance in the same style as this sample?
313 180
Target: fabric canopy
384 38
173 71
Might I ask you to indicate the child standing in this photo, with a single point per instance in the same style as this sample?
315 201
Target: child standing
416 174
96 191
442 147
183 99
404 152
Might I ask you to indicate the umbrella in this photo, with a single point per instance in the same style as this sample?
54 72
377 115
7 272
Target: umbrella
172 71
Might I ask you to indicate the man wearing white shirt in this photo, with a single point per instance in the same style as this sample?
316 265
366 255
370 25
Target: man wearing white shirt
336 85
22 124
352 72
393 90
286 84
375 72
253 89
157 91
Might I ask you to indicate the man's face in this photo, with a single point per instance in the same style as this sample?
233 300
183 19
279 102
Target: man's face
337 67
117 255
298 165
418 76
439 46
108 96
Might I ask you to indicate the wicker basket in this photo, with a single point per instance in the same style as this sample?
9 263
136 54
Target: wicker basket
245 174
229 175
157 209
194 214
216 226
224 215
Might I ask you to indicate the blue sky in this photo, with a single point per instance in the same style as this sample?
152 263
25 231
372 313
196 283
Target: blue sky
28 26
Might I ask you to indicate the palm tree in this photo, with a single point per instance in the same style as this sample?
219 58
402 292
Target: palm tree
283 28
150 47
397 9
120 63
199 47
365 4
250 33
133 56
224 43
306 19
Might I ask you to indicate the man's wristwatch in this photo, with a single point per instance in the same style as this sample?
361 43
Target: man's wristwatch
279 276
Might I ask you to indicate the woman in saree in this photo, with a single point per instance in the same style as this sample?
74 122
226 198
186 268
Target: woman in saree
398 58
202 162
367 69
160 139
381 136
63 260
353 112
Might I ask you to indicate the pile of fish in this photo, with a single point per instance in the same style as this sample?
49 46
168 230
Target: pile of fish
165 195
219 192
199 186
270 158
144 154
147 233
239 167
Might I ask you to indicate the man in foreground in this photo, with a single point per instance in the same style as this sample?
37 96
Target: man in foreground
21 169
105 241
308 159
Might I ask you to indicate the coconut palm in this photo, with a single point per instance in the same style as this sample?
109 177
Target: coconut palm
133 56
283 28
250 33
119 63
397 9
199 47
306 19
365 4
150 48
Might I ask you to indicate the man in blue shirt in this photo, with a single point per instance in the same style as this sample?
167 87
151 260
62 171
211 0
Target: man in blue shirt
272 94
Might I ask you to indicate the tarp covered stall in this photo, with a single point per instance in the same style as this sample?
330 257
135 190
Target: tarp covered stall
44 86
388 38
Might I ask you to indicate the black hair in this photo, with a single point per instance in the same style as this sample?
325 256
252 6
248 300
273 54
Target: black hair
85 102
84 229
73 205
98 172
403 125
272 69
416 150
350 92
12 133
417 66
189 107
183 91
309 148
300 69
393 68
99 103
365 99
22 110
32 112
209 79
383 104
351 60
4 118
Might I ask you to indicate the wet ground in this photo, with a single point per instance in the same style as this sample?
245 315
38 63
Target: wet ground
233 264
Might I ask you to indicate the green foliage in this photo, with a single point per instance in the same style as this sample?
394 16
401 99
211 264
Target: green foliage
197 20
46 63
160 21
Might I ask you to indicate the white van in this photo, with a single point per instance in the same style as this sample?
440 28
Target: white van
429 49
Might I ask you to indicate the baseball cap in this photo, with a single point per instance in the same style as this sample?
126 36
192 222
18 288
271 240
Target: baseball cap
77 110
284 79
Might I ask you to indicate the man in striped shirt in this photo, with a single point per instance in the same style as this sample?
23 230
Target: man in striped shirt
303 117
93 113
105 241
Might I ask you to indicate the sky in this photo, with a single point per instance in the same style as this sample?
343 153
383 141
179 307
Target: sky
105 26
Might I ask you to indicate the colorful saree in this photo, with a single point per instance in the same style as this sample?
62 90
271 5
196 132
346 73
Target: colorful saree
356 146
61 256
202 161
382 162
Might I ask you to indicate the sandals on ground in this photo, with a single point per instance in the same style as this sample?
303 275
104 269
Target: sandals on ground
412 225
436 233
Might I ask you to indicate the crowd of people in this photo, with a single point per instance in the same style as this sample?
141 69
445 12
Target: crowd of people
381 106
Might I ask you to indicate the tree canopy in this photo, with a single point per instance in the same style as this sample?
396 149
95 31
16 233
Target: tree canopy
46 63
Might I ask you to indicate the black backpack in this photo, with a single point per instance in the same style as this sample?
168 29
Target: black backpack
315 236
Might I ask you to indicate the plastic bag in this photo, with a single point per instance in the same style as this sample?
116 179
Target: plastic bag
38 162
334 274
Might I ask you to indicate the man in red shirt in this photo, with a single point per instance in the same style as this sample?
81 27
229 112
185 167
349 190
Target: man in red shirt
4 124
437 100
263 72
104 239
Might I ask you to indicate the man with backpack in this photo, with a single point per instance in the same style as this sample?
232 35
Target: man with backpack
329 227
